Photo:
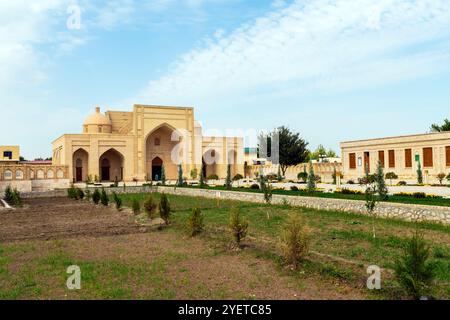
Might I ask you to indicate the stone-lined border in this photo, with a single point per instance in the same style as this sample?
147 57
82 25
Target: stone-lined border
409 212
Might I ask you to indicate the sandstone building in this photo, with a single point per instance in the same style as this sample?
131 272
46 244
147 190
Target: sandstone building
137 145
401 155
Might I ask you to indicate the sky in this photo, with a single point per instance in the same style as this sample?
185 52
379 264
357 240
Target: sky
332 70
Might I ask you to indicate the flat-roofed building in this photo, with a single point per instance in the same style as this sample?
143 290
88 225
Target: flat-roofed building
9 154
401 155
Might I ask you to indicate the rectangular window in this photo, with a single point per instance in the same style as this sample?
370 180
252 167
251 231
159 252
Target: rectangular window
447 156
352 157
428 157
408 158
7 154
381 158
391 158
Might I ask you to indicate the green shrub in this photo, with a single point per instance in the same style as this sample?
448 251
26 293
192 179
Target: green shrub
402 183
195 222
213 177
348 191
238 226
303 176
350 182
254 186
8 194
419 195
88 195
413 270
164 208
16 198
96 196
104 200
294 188
72 192
136 207
391 176
238 177
118 201
80 194
150 206
294 240
441 176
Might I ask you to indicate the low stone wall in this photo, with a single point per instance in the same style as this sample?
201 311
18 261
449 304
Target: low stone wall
409 212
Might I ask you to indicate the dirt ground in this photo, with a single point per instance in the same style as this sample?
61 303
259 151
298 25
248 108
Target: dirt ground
128 261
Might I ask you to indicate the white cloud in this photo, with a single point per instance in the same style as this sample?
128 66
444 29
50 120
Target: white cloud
313 45
115 12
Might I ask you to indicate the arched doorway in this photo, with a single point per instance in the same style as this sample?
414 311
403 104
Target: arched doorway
80 165
157 169
111 166
158 151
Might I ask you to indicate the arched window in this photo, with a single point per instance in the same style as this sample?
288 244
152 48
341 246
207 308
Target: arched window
31 174
40 174
8 175
79 163
157 141
50 174
19 174
60 174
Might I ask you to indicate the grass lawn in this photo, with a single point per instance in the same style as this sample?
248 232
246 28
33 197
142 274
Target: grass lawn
122 260
342 243
431 201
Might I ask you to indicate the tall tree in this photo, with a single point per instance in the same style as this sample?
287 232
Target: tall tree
292 148
441 128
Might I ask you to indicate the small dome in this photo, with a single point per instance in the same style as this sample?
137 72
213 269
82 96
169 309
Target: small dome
98 119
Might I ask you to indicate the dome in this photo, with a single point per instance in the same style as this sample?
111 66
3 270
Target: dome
98 119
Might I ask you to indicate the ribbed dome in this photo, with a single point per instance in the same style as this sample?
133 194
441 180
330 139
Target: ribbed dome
98 119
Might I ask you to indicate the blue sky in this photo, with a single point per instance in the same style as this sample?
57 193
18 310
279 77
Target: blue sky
334 70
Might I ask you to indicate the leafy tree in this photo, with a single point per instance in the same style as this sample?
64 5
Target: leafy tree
441 128
320 153
381 188
391 176
311 179
150 206
16 198
295 240
164 208
238 226
448 177
292 148
163 175
441 177
96 196
195 223
266 188
104 200
413 269
228 182
419 174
